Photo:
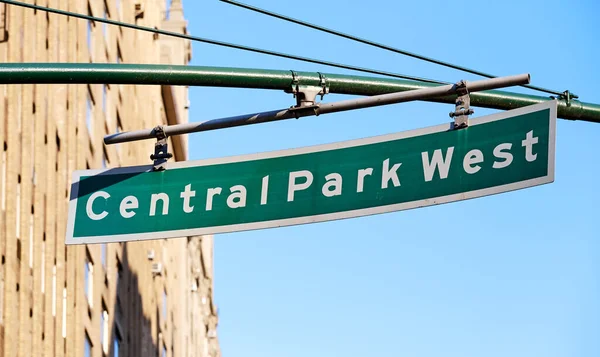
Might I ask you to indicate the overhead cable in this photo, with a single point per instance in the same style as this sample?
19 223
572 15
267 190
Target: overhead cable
218 43
382 46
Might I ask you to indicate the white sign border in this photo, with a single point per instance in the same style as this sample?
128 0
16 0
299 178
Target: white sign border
551 105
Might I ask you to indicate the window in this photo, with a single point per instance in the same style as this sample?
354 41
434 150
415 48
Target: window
119 54
167 9
116 343
87 348
164 305
89 114
89 281
119 60
119 124
90 34
119 276
105 15
104 96
103 247
64 312
119 129
106 107
117 336
104 329
164 351
119 9
105 164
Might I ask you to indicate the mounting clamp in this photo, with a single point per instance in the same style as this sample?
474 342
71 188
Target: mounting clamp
567 96
306 95
324 83
161 149
462 106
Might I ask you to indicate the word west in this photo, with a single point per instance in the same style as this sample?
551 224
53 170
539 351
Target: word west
390 174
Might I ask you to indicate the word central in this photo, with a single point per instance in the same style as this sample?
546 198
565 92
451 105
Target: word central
387 175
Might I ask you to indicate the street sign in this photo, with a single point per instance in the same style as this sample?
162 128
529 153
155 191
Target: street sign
497 153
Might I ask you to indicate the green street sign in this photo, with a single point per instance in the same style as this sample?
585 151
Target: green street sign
497 153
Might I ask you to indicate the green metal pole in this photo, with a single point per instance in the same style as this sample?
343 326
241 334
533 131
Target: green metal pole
84 73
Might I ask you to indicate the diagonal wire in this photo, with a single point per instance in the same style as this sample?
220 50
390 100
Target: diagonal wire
218 43
379 45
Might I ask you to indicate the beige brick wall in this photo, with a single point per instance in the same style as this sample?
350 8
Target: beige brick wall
47 132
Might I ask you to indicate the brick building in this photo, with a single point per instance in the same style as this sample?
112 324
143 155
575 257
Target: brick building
149 298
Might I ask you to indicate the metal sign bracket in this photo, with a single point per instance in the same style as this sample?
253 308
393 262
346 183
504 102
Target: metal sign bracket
161 149
567 96
306 99
306 95
462 106
324 83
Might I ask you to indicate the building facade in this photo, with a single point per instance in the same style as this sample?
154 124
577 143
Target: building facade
147 298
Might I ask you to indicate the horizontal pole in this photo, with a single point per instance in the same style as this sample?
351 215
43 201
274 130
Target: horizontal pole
275 115
138 74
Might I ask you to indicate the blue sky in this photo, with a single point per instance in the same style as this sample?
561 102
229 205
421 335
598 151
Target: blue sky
516 274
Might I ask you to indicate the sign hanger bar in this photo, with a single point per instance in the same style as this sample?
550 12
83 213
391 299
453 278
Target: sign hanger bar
318 109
